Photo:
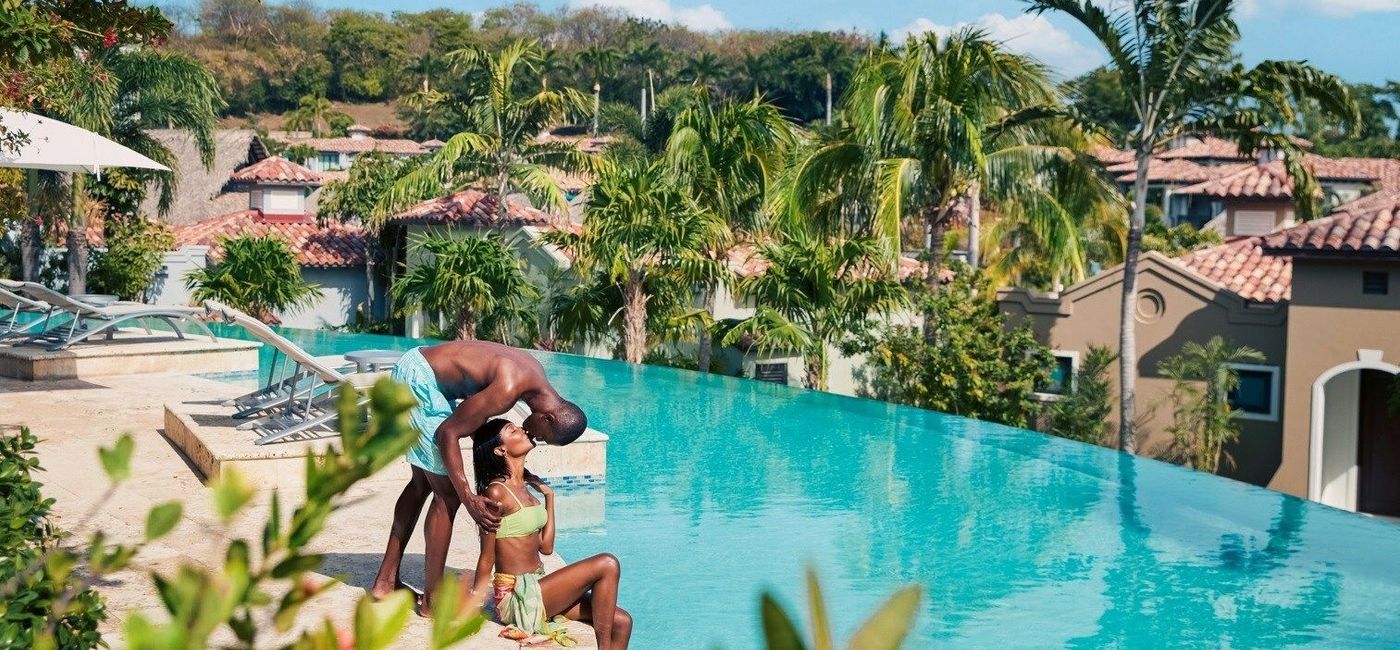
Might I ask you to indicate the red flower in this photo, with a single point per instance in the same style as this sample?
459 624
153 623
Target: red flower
109 37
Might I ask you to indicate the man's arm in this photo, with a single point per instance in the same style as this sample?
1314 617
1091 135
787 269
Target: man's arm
465 420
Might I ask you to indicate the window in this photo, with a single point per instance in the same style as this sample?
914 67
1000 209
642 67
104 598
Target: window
1375 282
1254 222
330 161
1256 396
776 373
1061 381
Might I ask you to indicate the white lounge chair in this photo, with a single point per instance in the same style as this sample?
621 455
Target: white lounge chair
88 320
299 394
13 305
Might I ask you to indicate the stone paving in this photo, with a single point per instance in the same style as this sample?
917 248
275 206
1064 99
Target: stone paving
74 417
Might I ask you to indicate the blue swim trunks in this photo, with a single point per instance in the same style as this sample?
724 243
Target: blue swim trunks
433 407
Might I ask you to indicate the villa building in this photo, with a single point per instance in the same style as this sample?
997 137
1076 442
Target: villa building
1320 300
338 154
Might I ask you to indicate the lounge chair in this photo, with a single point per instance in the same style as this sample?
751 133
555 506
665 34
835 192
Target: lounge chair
299 394
13 305
88 320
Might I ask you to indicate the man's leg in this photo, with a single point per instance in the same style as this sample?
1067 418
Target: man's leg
437 534
406 512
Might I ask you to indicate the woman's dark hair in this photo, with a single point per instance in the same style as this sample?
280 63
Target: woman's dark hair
486 464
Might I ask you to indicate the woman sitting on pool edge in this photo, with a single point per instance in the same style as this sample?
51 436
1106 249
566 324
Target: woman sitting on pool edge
510 561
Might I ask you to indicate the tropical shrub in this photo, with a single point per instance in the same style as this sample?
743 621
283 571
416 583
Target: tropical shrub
477 282
1082 413
884 630
1203 422
969 363
42 603
259 275
135 249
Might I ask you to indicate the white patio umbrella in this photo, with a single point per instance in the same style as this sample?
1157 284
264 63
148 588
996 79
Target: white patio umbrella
61 147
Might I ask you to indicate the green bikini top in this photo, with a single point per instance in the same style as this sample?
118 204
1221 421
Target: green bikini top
528 520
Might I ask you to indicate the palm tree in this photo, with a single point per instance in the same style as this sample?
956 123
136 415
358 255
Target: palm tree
813 293
552 61
755 69
1204 376
121 95
600 63
702 69
259 275
728 156
497 148
649 57
929 131
641 227
471 280
313 111
1177 63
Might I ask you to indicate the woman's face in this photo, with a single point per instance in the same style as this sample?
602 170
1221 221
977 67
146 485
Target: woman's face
515 441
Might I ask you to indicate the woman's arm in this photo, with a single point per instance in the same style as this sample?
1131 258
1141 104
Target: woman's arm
485 568
546 535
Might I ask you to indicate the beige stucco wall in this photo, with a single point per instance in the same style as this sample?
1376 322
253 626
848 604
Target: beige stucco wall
1191 309
1282 214
1329 321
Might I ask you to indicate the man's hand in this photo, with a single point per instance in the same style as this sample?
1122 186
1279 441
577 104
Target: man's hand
538 483
485 512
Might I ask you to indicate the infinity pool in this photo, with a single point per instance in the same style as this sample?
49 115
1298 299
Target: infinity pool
719 488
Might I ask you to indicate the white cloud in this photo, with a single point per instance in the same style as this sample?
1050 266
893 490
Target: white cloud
704 17
1026 34
1349 7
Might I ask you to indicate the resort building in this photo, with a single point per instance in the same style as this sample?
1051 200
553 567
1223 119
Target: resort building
1320 300
338 154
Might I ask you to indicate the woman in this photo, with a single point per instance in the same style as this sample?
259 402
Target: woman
524 596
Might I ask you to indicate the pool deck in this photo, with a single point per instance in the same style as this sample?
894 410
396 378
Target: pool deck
74 417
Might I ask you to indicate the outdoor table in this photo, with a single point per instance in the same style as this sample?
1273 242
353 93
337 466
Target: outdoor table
373 360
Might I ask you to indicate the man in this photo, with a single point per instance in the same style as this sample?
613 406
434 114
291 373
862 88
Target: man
488 379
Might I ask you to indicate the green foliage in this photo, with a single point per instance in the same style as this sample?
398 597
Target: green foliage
370 177
969 364
318 116
886 629
1098 97
1175 240
1082 413
792 72
367 56
259 275
813 294
43 603
1203 422
477 282
135 251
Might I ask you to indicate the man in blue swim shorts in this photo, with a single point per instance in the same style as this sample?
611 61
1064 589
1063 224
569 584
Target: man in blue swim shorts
459 385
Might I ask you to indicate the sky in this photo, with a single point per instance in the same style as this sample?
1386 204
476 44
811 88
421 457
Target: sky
1354 39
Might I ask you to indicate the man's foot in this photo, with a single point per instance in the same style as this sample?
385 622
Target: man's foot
422 606
379 591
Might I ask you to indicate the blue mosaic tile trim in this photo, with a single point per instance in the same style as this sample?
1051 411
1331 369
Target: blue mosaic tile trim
582 481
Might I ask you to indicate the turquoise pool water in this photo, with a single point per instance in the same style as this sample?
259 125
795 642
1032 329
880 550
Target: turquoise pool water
719 488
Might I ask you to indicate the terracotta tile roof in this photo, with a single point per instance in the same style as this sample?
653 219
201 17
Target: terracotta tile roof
1207 147
361 145
331 246
1111 156
1242 266
1170 171
585 143
745 260
1369 225
1383 171
278 170
1267 181
433 144
96 235
470 207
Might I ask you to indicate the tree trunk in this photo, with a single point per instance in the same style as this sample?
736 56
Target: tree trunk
644 106
828 98
77 239
935 231
1127 335
502 187
597 104
651 91
816 368
634 321
974 224
705 342
31 238
466 325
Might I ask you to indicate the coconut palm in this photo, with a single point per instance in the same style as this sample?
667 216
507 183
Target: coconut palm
703 69
599 63
812 294
552 62
472 280
259 275
930 132
1178 67
314 111
642 227
650 57
728 155
497 149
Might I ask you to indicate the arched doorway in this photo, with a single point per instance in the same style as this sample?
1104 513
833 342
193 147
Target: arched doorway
1355 446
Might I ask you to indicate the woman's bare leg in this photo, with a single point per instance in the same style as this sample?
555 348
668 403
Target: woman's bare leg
437 535
406 511
566 590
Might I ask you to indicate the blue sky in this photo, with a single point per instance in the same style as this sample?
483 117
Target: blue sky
1352 38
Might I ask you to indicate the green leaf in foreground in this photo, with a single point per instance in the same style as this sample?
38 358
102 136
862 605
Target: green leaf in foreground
116 460
378 624
778 629
887 627
231 493
162 519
